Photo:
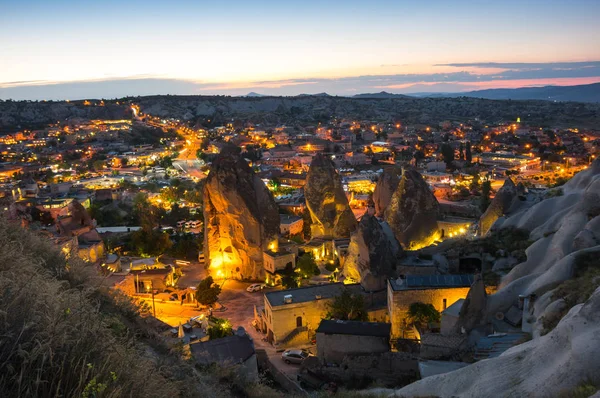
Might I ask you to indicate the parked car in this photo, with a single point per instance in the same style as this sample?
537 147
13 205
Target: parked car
255 287
294 356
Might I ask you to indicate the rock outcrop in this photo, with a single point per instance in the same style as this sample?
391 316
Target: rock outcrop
549 366
506 198
563 226
473 311
413 211
372 254
385 188
241 218
326 201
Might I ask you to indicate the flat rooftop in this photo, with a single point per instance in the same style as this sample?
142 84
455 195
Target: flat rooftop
413 282
355 328
308 293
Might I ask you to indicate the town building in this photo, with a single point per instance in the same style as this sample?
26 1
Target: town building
290 225
337 339
228 351
292 316
441 291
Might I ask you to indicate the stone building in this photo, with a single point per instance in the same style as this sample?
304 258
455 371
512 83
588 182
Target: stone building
338 339
292 316
441 291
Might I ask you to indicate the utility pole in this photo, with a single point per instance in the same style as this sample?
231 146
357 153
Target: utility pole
153 307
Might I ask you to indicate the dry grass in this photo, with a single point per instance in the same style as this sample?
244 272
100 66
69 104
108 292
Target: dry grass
62 334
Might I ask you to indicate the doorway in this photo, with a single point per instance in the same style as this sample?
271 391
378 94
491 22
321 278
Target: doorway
299 322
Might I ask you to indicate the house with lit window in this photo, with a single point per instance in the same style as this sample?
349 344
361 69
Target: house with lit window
290 317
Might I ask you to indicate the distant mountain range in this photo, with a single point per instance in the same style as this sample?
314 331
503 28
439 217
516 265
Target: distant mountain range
383 94
581 93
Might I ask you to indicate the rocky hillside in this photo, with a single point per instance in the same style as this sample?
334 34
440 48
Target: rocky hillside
562 274
63 334
311 109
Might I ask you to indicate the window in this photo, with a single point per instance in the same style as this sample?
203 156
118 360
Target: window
444 304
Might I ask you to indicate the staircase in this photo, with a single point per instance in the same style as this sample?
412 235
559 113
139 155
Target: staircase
294 333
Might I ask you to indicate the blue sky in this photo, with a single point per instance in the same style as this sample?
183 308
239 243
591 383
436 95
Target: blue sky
54 49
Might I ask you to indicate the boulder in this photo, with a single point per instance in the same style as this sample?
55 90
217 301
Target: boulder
241 218
413 211
505 198
473 311
385 188
326 201
372 255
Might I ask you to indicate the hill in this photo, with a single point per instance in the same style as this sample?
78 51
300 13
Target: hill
62 334
581 93
307 109
382 94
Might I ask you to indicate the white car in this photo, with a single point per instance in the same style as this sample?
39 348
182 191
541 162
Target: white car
255 287
294 356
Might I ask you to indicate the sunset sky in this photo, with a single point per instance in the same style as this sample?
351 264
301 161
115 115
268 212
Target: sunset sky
75 49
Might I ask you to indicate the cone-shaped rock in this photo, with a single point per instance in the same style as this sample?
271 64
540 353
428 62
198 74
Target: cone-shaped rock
372 254
472 313
413 211
241 218
326 201
500 205
385 188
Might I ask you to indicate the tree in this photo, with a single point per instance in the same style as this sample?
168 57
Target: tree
348 306
447 154
307 266
421 314
486 188
288 277
307 219
220 328
207 292
468 154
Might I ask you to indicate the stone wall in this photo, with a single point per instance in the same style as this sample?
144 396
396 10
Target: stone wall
390 369
333 348
400 301
282 320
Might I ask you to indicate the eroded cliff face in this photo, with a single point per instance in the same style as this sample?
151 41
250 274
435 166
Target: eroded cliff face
413 211
326 201
241 218
385 188
372 254
505 198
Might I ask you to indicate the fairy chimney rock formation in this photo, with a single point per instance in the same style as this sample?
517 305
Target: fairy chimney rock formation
385 188
500 205
326 201
413 212
372 254
241 218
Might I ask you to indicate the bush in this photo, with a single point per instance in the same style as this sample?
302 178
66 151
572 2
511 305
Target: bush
208 292
421 314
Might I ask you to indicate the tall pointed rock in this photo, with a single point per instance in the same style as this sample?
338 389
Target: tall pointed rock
413 211
385 188
241 218
500 205
326 201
